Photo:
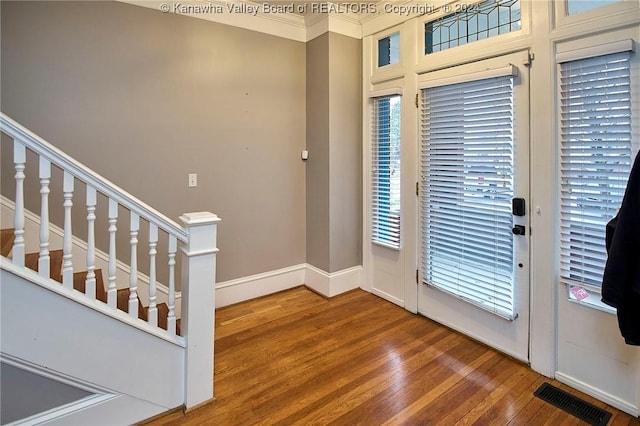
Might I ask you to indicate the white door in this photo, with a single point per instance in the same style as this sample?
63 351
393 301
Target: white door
474 205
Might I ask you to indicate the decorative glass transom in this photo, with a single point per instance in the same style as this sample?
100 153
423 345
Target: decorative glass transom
472 23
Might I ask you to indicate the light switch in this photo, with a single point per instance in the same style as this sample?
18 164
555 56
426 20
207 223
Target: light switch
193 180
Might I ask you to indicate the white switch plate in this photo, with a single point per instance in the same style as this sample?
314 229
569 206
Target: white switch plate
193 180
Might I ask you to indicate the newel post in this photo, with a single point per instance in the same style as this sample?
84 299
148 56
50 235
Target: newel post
198 304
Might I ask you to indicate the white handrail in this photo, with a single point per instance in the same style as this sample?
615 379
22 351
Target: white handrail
91 178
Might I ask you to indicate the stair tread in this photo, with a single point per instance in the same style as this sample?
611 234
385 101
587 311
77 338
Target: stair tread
31 261
79 283
123 303
56 264
163 312
7 236
163 317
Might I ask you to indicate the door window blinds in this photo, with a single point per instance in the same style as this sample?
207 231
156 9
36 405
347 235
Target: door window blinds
467 186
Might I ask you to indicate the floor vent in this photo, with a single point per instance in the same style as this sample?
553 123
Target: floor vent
573 405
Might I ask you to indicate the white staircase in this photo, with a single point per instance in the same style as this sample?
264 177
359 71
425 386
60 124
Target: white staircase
128 344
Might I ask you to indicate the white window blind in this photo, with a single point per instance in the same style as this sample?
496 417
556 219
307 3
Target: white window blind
385 175
596 157
467 188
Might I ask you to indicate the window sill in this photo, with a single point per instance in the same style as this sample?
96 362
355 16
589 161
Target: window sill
592 299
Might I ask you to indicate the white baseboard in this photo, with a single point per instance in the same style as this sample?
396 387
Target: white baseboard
251 287
599 394
388 297
332 284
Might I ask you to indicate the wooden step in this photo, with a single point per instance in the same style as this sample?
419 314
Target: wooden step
6 241
55 263
123 303
79 283
31 261
163 317
163 312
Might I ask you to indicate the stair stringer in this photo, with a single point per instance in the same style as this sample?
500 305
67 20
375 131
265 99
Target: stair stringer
61 330
79 253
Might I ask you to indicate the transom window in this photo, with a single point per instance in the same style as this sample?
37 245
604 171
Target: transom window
577 6
389 50
472 23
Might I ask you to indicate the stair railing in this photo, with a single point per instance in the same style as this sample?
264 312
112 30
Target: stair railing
196 238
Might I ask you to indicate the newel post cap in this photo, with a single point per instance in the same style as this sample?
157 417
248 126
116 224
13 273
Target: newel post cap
202 230
199 218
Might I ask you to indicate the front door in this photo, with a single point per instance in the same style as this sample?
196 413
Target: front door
474 201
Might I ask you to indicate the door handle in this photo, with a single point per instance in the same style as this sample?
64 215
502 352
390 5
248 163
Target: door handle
519 230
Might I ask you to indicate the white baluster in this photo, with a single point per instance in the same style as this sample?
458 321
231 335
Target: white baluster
90 283
133 275
153 242
112 291
171 317
19 160
45 179
67 243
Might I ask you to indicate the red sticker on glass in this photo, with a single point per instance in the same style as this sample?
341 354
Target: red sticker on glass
579 293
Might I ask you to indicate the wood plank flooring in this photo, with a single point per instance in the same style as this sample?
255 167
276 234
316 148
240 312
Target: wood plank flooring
296 358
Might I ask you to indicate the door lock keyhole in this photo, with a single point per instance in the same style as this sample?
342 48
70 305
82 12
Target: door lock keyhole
519 230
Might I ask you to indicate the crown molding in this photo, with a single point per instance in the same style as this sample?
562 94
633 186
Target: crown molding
347 24
237 13
256 17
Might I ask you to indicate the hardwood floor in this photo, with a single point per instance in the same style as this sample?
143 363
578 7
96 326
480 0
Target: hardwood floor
298 358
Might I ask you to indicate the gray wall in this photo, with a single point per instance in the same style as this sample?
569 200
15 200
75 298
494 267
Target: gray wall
145 98
345 158
318 191
334 169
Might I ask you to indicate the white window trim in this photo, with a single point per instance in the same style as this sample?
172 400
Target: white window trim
385 92
599 50
606 17
392 71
